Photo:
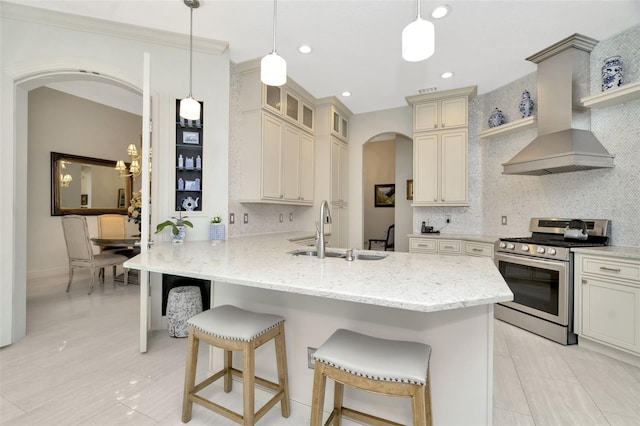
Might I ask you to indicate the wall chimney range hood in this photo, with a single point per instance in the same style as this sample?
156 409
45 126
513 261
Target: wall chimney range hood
565 142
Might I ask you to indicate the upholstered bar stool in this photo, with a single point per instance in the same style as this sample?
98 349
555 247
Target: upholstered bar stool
233 329
388 367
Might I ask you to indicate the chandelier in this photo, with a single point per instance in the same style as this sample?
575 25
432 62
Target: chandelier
134 166
65 180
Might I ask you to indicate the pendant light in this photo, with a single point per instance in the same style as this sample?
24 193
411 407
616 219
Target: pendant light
189 107
273 68
418 39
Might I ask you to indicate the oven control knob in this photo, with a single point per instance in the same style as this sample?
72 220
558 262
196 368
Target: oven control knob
541 250
552 251
503 245
511 246
525 248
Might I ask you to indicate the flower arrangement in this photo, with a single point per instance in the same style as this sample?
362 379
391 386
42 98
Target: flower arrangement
216 219
135 208
216 229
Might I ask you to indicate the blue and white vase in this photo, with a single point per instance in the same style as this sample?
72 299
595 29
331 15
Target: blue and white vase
526 104
496 118
612 73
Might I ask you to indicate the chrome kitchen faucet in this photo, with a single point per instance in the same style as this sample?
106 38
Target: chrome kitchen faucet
325 217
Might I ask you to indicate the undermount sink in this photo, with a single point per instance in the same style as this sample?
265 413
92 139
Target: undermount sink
364 256
356 256
309 252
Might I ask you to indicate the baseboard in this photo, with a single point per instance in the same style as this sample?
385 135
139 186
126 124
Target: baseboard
609 351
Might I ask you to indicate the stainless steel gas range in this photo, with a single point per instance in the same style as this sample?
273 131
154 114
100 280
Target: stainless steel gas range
539 272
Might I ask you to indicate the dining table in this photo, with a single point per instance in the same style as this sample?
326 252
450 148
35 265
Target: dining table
130 243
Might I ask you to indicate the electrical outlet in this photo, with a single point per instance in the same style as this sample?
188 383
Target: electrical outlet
246 218
504 220
232 218
281 218
311 363
290 217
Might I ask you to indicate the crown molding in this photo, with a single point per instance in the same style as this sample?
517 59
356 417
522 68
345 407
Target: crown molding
19 12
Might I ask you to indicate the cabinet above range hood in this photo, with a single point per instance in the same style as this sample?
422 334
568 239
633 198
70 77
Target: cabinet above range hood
565 142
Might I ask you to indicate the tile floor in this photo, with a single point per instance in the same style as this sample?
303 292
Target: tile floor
80 365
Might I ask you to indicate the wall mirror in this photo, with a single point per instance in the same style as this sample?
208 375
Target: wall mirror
87 186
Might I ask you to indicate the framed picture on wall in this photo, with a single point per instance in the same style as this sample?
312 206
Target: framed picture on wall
84 199
191 138
385 195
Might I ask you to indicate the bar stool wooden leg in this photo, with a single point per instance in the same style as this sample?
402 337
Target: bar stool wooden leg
317 399
338 396
418 405
228 364
427 399
283 381
190 375
248 388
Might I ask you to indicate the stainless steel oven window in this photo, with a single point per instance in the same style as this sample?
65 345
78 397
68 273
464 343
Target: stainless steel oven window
540 287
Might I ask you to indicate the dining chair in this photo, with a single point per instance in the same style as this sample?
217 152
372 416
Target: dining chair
80 251
389 239
111 226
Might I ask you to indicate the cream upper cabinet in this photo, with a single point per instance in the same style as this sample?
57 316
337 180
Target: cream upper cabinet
339 172
278 155
607 300
339 123
440 147
306 168
440 168
440 114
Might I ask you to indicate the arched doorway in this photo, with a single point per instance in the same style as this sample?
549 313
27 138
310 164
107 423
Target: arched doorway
387 160
15 184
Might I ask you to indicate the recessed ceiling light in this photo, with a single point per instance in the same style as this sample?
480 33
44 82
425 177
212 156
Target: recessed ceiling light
305 48
447 74
440 11
346 93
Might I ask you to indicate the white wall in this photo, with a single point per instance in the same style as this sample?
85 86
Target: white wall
404 211
33 43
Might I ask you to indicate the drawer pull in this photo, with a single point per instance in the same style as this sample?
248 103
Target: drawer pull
476 249
449 247
423 245
604 268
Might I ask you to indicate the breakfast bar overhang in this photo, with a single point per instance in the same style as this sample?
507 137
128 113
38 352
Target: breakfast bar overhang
445 301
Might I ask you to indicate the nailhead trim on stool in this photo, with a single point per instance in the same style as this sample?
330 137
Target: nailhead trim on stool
389 367
234 329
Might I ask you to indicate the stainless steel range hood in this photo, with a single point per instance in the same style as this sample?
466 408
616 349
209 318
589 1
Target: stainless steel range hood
565 142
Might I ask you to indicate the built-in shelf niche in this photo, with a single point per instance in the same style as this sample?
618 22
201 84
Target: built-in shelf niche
626 92
505 129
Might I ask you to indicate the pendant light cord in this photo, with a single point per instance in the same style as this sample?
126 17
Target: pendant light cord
190 51
418 11
275 14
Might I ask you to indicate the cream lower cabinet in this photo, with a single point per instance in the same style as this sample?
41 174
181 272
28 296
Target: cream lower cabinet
607 301
440 168
450 247
278 162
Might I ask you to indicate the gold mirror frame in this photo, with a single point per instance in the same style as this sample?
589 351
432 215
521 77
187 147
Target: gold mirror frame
56 205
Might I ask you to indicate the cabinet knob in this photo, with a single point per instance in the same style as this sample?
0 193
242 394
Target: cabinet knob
281 196
443 125
584 281
435 126
435 199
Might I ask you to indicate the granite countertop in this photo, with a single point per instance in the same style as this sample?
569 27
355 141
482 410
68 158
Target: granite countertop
467 237
401 280
632 253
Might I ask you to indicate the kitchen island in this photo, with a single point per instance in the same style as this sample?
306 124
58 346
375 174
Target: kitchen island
444 301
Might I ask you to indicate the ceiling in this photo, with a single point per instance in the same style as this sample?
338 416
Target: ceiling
356 43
